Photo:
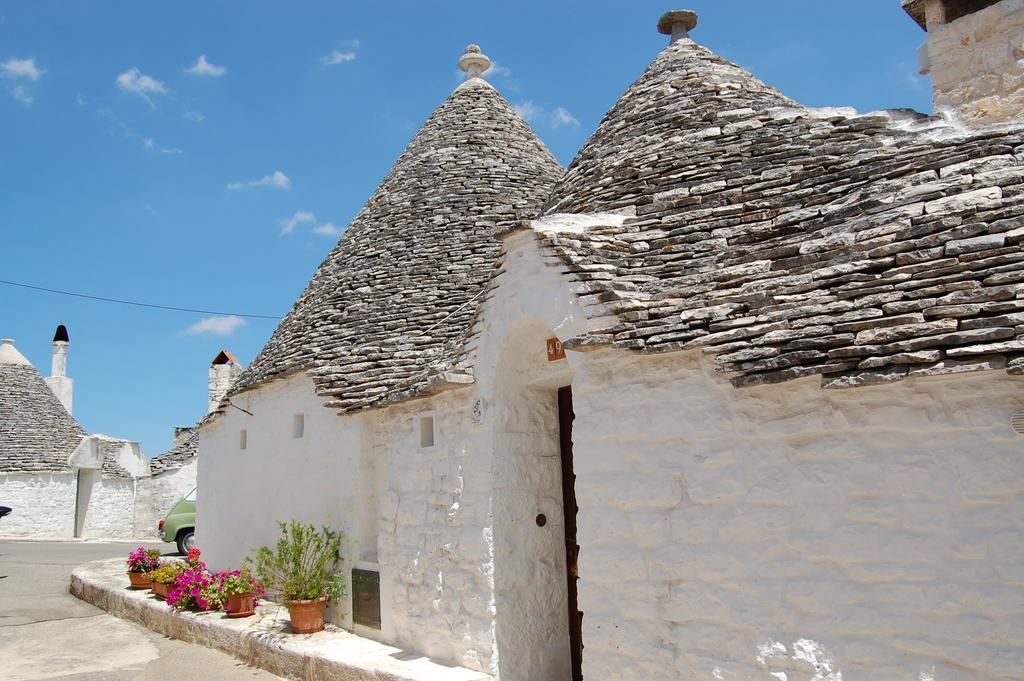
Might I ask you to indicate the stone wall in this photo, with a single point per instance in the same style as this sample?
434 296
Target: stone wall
111 509
790 532
977 62
435 537
43 503
156 495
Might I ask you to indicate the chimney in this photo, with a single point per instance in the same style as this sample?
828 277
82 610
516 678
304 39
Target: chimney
975 55
223 371
58 380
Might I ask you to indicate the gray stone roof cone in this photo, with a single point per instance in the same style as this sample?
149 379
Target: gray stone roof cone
393 299
788 241
37 435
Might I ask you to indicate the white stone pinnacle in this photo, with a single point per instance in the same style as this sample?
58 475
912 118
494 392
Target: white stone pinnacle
678 24
9 354
474 62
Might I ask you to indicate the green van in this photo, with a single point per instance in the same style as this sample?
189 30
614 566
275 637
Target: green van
180 524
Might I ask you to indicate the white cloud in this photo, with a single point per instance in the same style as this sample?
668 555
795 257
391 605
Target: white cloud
528 110
561 116
555 118
150 144
288 225
276 181
20 93
18 70
326 229
194 116
497 69
21 68
139 83
205 68
335 57
216 326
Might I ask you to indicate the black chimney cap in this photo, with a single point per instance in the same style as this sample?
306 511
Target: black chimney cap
61 334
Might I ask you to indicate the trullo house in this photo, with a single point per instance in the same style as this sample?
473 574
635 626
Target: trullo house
734 397
60 481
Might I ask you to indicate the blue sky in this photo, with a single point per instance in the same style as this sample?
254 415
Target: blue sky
207 155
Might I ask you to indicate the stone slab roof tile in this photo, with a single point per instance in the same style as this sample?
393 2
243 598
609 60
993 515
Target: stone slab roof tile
37 435
391 302
181 454
788 241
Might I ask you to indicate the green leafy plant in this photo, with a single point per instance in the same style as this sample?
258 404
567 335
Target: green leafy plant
302 565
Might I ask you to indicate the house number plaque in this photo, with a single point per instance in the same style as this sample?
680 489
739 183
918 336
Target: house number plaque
555 350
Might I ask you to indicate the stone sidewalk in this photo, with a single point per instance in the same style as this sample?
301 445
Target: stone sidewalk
264 639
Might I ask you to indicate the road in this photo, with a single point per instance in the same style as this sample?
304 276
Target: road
46 633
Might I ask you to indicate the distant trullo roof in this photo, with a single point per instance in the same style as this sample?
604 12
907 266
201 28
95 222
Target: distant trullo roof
395 296
37 435
791 241
181 453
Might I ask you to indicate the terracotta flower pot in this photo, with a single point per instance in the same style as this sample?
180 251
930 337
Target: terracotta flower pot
139 580
243 605
307 617
160 590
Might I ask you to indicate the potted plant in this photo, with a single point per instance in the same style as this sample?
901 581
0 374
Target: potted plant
163 577
193 587
240 591
140 563
300 570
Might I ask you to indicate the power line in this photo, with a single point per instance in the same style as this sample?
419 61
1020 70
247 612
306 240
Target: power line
131 302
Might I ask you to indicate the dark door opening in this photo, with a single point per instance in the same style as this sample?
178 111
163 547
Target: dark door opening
572 549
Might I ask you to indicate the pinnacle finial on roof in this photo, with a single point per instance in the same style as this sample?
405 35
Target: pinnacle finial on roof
678 23
474 62
9 354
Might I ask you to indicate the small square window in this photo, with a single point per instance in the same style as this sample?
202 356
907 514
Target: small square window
298 425
243 438
426 431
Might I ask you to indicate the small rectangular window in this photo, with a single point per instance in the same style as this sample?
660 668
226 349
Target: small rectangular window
298 425
242 439
426 431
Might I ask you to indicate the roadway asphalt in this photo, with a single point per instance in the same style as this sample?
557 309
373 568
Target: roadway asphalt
46 633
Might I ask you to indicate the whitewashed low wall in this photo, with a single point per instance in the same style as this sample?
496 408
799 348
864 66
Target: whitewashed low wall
156 495
44 505
789 532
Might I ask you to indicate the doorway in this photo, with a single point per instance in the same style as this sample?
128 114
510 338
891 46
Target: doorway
530 572
83 493
572 549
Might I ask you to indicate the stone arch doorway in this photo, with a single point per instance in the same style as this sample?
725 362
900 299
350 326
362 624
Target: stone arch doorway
532 586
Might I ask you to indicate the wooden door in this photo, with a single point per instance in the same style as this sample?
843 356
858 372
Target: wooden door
572 549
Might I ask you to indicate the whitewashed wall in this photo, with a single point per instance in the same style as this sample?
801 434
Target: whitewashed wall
111 509
243 493
44 505
156 495
744 534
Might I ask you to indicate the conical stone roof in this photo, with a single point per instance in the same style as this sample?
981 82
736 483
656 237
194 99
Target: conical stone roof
392 300
37 435
788 241
680 100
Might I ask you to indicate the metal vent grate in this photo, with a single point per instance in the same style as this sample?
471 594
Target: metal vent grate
1017 422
